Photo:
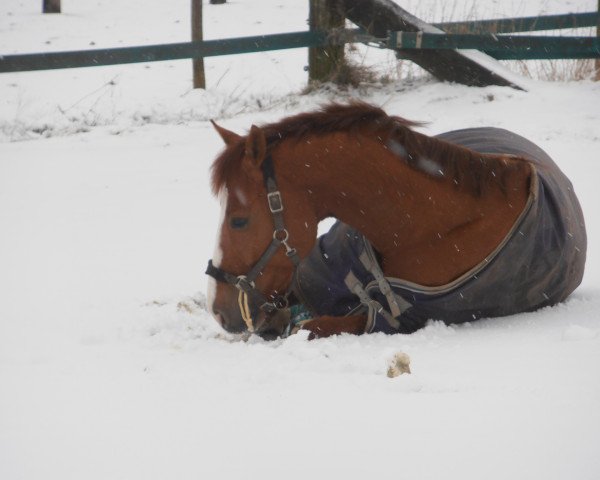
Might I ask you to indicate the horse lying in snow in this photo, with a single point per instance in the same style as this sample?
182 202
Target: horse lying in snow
468 224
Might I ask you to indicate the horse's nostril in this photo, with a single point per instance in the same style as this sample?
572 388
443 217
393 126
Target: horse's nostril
228 323
219 318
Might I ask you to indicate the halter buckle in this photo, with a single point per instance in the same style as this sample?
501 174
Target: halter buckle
281 302
242 283
268 307
275 203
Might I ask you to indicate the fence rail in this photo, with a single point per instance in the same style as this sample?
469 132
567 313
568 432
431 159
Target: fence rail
156 53
500 47
522 24
509 47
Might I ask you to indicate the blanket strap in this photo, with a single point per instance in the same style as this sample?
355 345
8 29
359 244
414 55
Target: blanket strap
356 287
396 304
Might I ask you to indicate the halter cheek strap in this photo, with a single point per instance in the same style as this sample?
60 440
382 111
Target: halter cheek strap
248 293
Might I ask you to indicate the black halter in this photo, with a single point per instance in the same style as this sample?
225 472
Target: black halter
245 283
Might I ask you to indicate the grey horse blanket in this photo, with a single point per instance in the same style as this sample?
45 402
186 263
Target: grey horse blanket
538 264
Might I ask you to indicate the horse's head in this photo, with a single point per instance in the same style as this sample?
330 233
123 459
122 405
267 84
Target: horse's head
266 225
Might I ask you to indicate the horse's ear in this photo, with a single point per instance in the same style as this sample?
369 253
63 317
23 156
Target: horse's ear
256 146
228 136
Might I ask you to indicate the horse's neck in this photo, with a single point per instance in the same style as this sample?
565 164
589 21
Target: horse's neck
427 229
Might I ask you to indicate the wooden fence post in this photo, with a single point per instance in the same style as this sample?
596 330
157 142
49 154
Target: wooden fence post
324 62
51 6
197 63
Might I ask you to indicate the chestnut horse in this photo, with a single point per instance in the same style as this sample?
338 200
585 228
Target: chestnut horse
435 212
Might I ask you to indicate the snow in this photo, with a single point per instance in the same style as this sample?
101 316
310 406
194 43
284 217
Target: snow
110 366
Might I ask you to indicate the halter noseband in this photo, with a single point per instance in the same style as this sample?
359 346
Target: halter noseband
245 283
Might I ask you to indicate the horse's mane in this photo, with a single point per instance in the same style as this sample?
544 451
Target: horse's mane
471 170
335 117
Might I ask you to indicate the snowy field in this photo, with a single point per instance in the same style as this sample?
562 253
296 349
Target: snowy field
109 370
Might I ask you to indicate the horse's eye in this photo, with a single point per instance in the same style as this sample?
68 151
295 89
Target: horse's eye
238 222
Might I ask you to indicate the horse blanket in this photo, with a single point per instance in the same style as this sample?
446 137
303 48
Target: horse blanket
539 263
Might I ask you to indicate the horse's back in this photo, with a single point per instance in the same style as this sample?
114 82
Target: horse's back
498 140
553 259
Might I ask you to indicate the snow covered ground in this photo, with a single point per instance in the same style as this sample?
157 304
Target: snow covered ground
109 370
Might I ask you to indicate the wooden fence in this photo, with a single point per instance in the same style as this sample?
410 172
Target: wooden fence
493 41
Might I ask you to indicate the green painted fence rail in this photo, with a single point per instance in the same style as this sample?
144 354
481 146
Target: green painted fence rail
522 24
501 47
173 51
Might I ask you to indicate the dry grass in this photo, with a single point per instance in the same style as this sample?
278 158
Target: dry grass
555 70
349 74
352 74
559 70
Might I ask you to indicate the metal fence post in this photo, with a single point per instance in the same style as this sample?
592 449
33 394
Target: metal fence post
197 63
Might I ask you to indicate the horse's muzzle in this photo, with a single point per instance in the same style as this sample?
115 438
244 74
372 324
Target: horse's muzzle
267 325
231 323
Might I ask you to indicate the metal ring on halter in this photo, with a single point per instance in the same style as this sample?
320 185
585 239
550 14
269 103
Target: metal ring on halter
243 278
289 251
285 238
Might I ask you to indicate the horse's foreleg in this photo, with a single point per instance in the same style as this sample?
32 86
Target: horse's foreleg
327 326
